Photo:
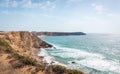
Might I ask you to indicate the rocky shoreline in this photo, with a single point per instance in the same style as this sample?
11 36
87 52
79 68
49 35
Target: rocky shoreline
19 55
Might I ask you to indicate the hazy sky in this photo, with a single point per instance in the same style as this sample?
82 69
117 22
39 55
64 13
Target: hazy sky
93 16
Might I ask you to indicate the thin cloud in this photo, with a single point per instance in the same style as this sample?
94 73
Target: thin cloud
69 2
74 0
6 12
100 9
27 4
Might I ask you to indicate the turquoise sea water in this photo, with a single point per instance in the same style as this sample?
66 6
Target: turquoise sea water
92 53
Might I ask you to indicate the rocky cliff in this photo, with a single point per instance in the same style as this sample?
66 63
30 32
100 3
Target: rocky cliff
24 41
58 33
18 53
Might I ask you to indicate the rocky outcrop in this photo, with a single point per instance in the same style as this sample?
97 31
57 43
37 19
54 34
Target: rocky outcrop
18 53
24 42
58 33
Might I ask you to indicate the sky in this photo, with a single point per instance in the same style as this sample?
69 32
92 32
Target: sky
90 16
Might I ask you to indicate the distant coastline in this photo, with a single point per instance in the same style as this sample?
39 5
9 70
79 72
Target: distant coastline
57 33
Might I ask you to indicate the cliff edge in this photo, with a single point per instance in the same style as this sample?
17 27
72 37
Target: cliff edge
18 53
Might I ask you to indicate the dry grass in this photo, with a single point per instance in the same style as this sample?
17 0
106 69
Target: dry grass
4 46
7 70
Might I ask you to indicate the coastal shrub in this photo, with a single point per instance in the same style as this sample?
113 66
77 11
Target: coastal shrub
58 69
73 71
26 60
5 46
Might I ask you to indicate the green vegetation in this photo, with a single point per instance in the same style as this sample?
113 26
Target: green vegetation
5 46
57 69
26 60
73 71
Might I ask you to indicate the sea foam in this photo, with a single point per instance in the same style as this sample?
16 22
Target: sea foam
91 60
95 53
48 58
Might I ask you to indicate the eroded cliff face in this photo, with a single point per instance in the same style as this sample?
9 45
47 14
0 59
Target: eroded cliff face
18 53
24 42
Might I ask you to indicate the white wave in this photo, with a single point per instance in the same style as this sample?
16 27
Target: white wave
101 64
91 60
48 59
76 53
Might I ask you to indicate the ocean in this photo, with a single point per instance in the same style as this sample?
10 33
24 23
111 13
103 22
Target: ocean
91 53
